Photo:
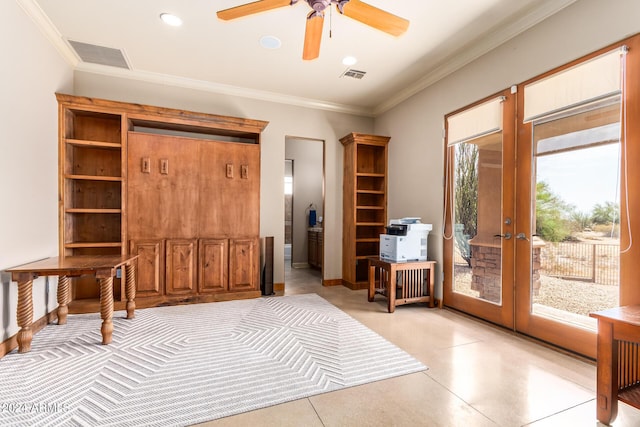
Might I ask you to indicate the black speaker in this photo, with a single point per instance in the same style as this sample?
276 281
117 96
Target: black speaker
266 252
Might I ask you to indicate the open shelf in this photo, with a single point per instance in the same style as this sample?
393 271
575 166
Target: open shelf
371 175
73 245
94 144
93 211
95 178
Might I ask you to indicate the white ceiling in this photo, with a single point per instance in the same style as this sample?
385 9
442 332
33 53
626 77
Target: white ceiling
226 57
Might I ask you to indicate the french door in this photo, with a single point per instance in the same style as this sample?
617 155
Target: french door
480 209
540 211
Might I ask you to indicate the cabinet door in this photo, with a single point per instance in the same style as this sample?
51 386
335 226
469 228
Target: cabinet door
320 246
229 189
150 269
243 265
181 266
162 186
213 265
312 241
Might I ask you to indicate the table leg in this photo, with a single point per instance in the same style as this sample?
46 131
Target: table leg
607 374
130 290
431 286
391 292
25 315
64 296
372 282
106 308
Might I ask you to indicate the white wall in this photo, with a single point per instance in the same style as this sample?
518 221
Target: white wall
416 149
284 120
307 189
32 71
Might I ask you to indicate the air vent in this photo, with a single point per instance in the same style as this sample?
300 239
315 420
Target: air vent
95 54
356 74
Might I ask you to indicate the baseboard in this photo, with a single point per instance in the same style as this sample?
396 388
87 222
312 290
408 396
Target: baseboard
355 286
300 265
12 342
332 282
277 287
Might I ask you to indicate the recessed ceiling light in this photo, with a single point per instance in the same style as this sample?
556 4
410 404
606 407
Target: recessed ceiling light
170 19
270 42
349 60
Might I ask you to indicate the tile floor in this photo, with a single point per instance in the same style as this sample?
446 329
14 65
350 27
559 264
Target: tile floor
479 375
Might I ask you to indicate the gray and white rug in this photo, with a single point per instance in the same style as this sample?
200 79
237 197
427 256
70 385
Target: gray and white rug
187 364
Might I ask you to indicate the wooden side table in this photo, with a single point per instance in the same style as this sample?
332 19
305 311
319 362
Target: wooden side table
618 365
103 267
402 282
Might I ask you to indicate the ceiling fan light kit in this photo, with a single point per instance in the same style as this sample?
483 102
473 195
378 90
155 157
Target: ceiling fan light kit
354 9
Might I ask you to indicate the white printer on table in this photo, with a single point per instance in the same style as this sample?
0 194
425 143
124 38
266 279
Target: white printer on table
406 240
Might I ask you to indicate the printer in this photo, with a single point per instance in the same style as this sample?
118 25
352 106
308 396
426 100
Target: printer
405 240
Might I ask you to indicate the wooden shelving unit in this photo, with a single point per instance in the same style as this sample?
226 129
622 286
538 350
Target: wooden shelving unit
364 204
91 155
180 189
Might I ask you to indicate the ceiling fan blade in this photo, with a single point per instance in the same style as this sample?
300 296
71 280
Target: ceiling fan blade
313 36
376 18
251 8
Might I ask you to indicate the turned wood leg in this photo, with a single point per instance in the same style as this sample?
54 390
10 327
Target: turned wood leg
64 296
607 374
130 290
372 282
25 315
106 308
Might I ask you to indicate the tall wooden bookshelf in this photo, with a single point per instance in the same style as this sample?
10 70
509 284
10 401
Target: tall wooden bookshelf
364 204
92 207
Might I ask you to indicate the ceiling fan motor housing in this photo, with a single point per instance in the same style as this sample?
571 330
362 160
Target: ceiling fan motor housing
319 5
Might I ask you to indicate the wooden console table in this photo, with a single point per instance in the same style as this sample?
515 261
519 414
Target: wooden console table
414 280
103 267
618 366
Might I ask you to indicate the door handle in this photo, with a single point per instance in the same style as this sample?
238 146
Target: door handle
506 236
521 236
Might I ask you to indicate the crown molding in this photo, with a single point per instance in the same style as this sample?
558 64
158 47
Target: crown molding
42 21
221 89
457 60
44 24
469 53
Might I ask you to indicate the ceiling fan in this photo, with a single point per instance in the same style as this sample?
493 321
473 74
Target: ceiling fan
355 9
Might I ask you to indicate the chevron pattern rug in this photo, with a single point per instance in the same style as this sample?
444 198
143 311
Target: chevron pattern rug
181 365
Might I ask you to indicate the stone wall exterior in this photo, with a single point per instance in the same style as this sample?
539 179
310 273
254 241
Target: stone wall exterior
486 271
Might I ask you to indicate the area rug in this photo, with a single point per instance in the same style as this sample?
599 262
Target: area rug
181 365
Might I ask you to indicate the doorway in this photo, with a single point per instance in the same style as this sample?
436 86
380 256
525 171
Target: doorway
304 206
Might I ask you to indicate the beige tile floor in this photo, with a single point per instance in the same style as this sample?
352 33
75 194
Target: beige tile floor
479 375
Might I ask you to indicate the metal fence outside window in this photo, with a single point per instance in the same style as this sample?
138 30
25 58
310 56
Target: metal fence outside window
597 263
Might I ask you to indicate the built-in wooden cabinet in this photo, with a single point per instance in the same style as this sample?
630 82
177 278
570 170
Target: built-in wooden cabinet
179 189
315 248
364 204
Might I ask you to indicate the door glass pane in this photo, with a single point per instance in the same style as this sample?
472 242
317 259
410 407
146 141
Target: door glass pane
575 255
478 218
